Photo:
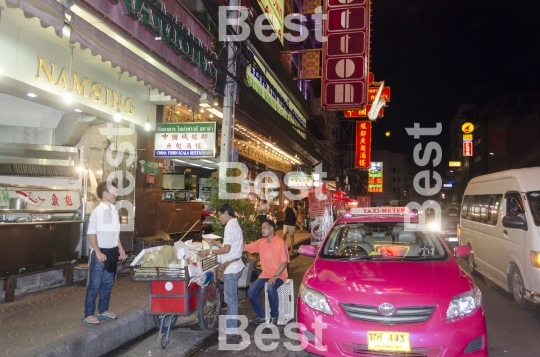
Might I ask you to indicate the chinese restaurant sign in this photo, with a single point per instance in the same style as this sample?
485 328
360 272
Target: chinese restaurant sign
375 177
363 144
276 8
345 54
185 140
361 113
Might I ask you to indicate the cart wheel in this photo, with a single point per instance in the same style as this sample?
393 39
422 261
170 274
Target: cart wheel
209 306
158 318
164 341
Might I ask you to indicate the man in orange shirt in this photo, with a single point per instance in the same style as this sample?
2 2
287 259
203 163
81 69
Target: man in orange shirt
274 258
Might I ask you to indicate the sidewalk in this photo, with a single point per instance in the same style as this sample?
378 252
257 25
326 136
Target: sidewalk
49 323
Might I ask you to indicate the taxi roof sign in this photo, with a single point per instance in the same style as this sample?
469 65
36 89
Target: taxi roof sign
379 210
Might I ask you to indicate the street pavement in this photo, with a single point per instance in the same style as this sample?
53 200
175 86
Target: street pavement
50 324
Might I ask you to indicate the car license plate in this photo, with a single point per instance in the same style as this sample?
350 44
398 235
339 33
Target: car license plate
388 341
452 239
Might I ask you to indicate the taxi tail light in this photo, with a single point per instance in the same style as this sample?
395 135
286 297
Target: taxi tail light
535 259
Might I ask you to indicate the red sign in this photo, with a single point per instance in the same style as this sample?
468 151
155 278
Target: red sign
361 113
467 148
372 92
363 144
345 54
364 201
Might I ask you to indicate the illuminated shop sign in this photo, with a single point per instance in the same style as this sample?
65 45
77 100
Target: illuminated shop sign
375 177
185 140
269 89
345 54
84 87
276 9
363 144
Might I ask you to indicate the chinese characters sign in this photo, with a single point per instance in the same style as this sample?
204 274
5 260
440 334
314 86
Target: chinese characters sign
467 148
359 113
363 144
275 8
345 54
185 140
363 112
35 198
375 177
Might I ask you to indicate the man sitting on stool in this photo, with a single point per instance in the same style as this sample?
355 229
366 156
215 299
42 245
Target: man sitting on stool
274 258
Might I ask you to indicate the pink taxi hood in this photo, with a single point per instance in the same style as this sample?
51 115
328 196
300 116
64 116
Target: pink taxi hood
368 282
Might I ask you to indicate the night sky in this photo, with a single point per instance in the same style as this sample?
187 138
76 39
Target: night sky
437 54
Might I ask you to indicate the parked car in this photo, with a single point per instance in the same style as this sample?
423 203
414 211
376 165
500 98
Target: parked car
378 288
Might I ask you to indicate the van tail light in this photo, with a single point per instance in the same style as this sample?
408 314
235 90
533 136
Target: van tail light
535 259
458 230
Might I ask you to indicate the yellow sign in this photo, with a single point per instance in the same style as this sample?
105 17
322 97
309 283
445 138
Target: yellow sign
467 137
454 163
467 128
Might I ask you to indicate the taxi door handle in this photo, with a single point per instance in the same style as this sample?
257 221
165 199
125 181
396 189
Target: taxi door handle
505 232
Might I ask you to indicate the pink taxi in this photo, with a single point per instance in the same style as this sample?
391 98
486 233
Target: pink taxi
378 288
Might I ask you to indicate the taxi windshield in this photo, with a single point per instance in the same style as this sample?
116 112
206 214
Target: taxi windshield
381 241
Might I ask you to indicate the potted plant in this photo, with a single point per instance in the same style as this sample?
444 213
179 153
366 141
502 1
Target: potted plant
251 228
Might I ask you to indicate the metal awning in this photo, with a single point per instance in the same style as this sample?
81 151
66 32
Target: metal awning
50 13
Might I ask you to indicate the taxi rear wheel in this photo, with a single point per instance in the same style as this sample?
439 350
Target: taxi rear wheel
518 289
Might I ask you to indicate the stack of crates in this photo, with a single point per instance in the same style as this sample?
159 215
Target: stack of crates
286 302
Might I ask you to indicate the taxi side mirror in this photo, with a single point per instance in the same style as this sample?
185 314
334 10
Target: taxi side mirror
307 250
462 251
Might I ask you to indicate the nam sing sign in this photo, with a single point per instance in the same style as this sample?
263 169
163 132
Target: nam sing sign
363 144
185 140
345 54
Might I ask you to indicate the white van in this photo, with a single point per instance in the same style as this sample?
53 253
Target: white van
500 220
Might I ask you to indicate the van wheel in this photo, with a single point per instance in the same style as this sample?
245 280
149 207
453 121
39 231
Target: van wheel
472 264
518 289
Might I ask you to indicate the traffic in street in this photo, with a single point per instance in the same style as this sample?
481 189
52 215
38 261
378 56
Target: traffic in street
511 331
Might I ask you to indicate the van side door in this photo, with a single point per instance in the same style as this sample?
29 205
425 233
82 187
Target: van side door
517 245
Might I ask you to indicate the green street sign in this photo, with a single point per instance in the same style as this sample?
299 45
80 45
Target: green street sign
149 167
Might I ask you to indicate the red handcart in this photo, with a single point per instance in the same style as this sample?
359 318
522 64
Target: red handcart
171 295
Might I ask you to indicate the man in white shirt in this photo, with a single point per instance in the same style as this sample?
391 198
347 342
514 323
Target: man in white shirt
230 251
104 238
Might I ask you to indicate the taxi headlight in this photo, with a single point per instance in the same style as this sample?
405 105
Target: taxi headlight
464 304
314 299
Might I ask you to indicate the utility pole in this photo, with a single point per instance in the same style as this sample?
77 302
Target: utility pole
227 124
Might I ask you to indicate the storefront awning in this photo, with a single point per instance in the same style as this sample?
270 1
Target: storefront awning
49 12
100 44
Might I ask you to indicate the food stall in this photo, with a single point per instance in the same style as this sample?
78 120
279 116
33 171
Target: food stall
40 228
